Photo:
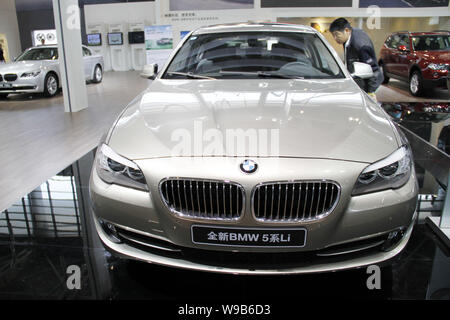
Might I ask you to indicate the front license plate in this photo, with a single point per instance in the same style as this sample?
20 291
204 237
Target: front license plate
6 85
249 237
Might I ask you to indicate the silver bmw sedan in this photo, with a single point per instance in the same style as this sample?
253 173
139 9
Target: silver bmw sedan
254 151
36 70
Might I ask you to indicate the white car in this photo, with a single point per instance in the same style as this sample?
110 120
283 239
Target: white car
37 70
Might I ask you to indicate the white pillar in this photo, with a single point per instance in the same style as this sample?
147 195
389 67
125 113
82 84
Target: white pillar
67 22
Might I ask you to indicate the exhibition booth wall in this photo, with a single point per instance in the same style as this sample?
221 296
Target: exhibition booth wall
33 20
120 18
180 17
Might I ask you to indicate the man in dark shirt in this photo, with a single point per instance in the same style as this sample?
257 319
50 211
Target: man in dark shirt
357 48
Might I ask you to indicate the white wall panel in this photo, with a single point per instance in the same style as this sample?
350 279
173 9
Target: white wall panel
118 13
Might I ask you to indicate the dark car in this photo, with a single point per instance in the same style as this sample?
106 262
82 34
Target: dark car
421 58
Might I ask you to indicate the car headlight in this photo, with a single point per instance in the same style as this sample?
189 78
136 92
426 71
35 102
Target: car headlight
436 66
390 173
115 169
30 74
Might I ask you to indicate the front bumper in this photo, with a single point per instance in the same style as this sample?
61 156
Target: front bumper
25 85
436 78
351 236
301 265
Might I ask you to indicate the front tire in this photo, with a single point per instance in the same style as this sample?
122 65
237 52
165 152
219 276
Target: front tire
51 85
98 74
416 85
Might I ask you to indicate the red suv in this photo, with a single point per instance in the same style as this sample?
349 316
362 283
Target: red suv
422 58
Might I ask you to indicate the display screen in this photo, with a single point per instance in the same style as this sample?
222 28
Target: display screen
136 37
94 39
42 37
115 38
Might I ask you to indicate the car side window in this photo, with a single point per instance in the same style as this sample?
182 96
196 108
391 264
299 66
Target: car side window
388 42
46 54
404 41
395 39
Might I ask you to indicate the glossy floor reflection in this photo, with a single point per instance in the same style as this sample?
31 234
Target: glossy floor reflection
49 232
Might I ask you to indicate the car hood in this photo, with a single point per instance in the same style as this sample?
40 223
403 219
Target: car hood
435 56
20 66
330 119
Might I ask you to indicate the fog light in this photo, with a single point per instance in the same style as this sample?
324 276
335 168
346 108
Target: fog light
393 238
111 227
110 230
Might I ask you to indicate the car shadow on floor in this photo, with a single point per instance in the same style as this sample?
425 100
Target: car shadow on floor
157 282
433 93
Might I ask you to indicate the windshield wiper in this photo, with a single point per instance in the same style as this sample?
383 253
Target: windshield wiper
262 74
190 75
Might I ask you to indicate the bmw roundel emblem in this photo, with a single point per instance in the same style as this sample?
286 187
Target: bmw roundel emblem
248 166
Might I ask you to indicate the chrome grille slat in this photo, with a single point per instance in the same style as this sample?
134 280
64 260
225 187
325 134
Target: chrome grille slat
197 199
312 201
189 197
217 197
210 196
318 200
294 201
271 205
231 201
178 187
306 198
223 200
299 200
265 204
279 197
204 199
325 198
285 201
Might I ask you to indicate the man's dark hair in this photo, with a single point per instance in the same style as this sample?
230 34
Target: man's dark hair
339 25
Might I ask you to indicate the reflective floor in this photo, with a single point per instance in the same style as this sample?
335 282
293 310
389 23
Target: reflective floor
49 233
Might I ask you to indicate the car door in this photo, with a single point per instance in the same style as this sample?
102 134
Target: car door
395 53
386 55
88 63
403 56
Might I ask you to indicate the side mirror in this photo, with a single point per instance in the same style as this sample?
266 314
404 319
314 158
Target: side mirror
149 71
402 48
362 70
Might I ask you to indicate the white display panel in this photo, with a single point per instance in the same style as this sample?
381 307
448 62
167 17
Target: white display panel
158 43
41 37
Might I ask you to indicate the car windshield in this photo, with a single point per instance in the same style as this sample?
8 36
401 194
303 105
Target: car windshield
431 43
249 55
39 54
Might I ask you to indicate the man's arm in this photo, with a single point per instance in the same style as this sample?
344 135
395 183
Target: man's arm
367 55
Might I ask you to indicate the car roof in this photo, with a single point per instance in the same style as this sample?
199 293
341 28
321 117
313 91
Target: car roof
44 46
423 33
50 46
254 26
